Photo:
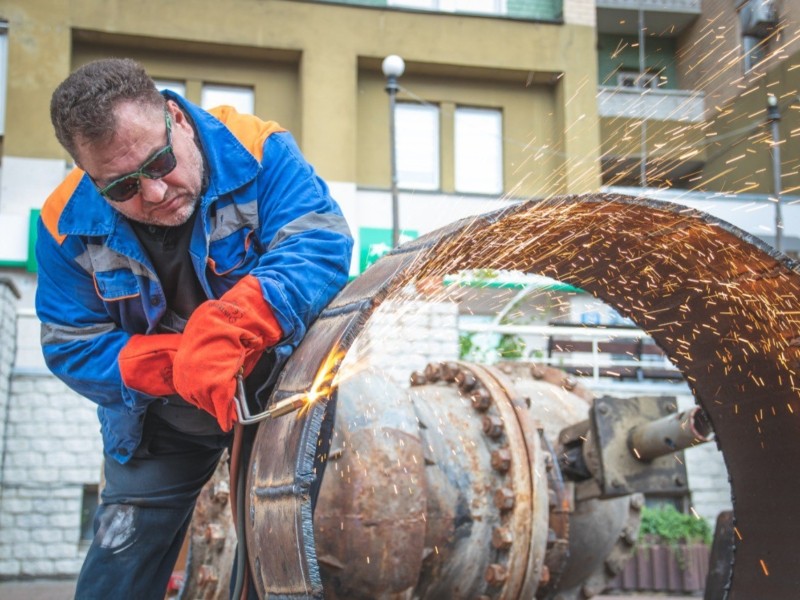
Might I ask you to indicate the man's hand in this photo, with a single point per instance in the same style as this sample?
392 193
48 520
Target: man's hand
222 339
145 363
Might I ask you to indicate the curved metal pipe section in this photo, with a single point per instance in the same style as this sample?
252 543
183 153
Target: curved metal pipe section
721 304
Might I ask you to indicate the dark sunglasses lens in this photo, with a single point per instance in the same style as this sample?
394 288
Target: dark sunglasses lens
161 165
123 190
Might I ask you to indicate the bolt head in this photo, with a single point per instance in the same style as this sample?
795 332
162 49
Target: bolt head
501 460
504 498
502 538
496 574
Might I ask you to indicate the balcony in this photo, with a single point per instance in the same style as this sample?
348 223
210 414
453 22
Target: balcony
533 10
621 16
686 106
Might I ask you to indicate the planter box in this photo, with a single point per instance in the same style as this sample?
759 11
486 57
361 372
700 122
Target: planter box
660 568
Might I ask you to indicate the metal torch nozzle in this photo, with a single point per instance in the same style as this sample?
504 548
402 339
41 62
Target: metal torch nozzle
284 407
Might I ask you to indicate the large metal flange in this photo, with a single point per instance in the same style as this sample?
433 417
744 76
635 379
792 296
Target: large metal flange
720 303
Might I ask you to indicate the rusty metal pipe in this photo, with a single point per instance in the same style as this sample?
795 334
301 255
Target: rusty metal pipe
670 434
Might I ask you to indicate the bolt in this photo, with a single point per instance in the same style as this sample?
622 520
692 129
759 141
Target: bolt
418 378
464 380
537 372
613 565
449 370
432 372
481 400
220 492
617 483
602 409
207 574
495 574
214 532
569 383
548 462
671 408
627 535
678 480
502 538
637 502
545 578
492 426
504 498
501 460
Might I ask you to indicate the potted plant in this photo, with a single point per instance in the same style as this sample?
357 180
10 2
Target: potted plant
671 553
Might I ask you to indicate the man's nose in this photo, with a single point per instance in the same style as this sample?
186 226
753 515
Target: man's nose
152 190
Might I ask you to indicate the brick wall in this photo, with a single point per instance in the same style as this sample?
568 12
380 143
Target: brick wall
8 304
52 449
403 337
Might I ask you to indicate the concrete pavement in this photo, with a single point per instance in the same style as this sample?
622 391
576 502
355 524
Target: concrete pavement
48 589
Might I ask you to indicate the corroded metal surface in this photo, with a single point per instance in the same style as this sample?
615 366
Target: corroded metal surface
720 304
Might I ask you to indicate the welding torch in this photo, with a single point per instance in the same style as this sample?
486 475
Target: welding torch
283 407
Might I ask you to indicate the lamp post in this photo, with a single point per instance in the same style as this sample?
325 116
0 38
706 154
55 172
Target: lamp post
393 67
773 116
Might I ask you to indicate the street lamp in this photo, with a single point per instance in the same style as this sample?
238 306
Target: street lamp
393 67
773 116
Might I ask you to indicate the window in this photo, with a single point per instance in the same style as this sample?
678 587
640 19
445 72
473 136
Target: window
173 86
417 146
3 74
89 503
479 150
634 79
239 97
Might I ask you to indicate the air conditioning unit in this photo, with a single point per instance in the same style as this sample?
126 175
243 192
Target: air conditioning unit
758 17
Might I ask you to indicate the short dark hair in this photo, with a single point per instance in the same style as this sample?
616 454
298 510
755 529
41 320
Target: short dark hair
82 106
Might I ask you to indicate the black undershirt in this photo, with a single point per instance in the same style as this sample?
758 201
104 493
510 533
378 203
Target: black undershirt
168 249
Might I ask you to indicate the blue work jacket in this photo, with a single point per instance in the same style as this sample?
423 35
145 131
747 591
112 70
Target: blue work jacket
264 212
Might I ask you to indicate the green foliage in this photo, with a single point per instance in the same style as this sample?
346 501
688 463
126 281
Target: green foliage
466 345
666 525
511 347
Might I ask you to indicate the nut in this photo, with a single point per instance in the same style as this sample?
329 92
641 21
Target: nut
501 460
492 426
465 380
502 538
220 492
449 370
504 498
432 372
418 378
496 574
537 372
481 400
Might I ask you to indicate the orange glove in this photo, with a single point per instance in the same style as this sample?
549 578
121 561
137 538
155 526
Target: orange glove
145 363
223 338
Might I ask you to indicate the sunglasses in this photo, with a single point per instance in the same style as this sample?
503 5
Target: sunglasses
157 166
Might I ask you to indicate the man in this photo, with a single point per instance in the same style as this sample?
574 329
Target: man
187 248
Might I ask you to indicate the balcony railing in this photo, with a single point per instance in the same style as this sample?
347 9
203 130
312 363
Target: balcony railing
534 10
661 105
680 6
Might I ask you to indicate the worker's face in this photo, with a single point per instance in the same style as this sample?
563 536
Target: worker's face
140 138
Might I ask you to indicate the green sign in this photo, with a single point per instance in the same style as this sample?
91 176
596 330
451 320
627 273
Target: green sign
376 242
